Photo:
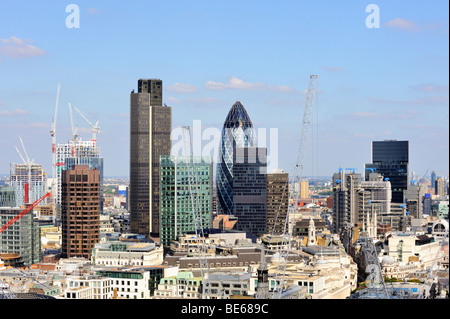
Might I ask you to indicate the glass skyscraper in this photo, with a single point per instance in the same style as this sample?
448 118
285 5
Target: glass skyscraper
250 189
237 132
178 182
390 158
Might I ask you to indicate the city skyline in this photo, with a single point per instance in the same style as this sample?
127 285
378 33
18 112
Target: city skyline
374 84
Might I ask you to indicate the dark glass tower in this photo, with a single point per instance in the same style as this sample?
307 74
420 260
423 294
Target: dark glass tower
390 158
250 189
150 128
237 132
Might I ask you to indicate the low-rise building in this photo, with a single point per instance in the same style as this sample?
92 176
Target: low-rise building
121 253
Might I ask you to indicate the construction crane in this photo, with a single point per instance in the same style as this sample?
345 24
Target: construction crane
196 214
74 131
287 232
22 213
28 164
95 129
375 281
53 135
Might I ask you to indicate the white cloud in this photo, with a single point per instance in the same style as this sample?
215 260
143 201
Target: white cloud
19 48
239 84
13 113
401 24
430 100
181 88
430 88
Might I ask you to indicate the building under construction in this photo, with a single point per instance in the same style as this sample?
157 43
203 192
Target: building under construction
28 181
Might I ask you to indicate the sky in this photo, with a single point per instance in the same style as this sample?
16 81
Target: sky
375 82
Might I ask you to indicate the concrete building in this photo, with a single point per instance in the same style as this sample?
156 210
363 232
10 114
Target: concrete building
150 129
229 284
304 189
121 253
182 285
345 205
80 211
88 287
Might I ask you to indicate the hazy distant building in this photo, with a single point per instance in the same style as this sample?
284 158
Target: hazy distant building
150 128
439 186
250 189
433 179
181 178
304 189
277 201
237 132
80 211
390 158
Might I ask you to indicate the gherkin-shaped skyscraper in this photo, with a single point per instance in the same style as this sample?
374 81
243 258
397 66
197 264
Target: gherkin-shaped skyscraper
237 132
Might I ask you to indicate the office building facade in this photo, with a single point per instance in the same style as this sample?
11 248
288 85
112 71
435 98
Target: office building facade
390 158
250 189
22 238
181 178
150 128
80 211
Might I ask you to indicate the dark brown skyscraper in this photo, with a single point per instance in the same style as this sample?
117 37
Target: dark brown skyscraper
277 201
80 211
150 128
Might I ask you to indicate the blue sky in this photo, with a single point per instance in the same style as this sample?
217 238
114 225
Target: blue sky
380 83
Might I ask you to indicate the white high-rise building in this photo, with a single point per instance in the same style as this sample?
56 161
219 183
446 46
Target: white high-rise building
76 153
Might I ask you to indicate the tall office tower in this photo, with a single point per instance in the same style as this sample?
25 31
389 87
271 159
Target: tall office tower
345 200
304 189
439 186
277 201
150 128
181 177
93 163
250 189
75 153
34 177
390 158
80 211
237 132
433 178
